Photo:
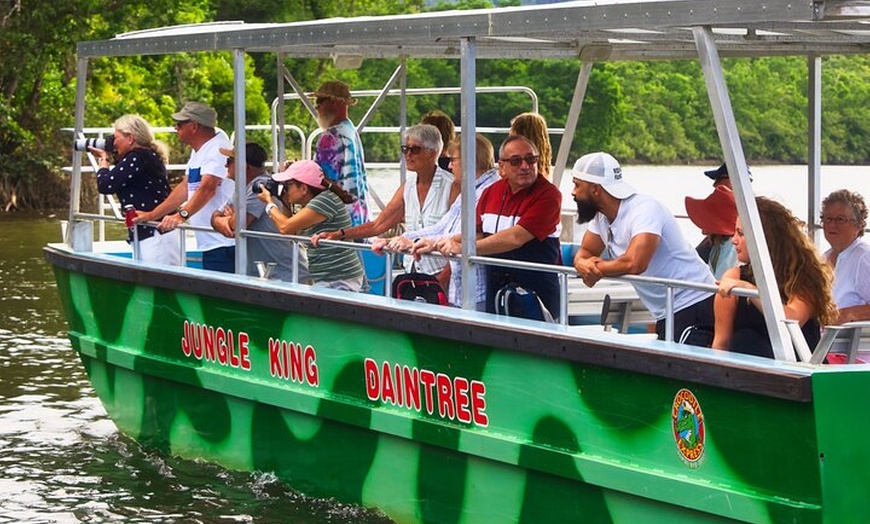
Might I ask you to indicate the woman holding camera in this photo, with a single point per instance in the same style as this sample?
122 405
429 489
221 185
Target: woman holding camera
323 204
139 179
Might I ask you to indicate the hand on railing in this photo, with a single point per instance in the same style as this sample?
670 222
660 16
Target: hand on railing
142 217
397 244
588 270
445 245
728 285
170 222
326 235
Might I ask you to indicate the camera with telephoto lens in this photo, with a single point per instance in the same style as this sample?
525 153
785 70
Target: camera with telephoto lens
106 144
270 185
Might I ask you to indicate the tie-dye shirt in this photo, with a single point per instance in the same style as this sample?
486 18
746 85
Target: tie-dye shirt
340 154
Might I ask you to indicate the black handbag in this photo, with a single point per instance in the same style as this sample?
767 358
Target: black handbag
419 287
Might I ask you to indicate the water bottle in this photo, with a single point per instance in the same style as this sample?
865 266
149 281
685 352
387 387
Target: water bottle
129 215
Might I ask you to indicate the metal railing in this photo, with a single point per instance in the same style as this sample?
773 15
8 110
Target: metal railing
806 354
563 272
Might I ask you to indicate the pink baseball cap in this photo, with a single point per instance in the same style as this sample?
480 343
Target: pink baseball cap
306 171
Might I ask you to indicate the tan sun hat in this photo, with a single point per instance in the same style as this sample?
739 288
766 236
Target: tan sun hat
335 89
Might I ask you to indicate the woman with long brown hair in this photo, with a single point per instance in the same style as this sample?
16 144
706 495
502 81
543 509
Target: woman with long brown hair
803 278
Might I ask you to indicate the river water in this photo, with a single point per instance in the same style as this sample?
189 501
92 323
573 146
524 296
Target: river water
63 461
61 458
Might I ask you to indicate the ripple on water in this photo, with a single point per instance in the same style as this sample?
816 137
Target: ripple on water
63 461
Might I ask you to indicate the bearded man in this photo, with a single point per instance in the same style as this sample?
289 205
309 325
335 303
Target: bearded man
634 234
339 149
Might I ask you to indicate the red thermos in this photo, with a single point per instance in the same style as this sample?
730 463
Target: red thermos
129 215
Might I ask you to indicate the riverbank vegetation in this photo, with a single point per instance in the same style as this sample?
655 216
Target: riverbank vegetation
641 112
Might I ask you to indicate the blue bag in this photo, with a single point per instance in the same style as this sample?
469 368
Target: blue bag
515 301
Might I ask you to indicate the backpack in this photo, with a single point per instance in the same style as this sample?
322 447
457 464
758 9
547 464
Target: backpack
516 301
419 287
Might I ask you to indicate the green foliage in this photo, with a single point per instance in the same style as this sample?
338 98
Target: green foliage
845 112
649 112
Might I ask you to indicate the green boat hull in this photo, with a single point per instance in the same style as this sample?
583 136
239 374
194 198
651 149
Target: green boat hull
437 415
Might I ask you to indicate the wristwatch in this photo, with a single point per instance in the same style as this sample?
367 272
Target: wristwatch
183 213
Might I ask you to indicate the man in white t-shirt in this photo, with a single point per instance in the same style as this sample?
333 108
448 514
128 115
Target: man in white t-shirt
633 234
205 187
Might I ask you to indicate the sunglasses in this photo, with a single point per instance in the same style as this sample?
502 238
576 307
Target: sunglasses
414 150
517 161
182 123
230 161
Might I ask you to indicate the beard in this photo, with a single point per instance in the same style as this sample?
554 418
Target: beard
586 211
324 120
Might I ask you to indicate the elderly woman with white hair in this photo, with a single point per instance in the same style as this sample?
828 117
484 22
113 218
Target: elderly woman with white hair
844 218
421 201
139 179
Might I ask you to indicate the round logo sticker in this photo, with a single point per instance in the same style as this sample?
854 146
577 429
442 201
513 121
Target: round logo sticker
688 422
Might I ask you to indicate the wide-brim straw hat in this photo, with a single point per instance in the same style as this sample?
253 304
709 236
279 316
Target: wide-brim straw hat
335 89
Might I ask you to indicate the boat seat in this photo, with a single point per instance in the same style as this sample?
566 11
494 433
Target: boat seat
622 312
843 339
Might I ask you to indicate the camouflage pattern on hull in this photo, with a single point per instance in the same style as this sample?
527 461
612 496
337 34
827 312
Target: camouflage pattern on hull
433 429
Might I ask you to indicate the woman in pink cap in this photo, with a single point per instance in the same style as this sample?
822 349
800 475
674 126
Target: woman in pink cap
323 208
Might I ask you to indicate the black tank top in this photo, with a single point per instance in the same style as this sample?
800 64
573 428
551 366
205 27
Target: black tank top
750 332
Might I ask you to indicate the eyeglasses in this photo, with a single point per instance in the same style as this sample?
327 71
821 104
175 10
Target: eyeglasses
414 150
517 161
834 220
182 123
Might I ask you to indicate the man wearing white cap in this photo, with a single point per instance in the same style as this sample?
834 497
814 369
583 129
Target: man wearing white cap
634 234
205 187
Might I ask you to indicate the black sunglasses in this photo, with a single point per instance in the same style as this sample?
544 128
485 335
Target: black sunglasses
414 150
517 161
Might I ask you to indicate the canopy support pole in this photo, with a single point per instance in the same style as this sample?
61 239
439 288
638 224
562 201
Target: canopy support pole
241 161
468 121
571 122
814 144
726 125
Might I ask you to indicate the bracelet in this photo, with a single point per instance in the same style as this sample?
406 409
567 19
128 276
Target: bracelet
270 206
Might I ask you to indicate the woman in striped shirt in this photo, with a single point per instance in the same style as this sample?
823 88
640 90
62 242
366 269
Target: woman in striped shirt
323 208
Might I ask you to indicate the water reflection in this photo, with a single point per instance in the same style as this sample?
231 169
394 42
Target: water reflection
63 461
